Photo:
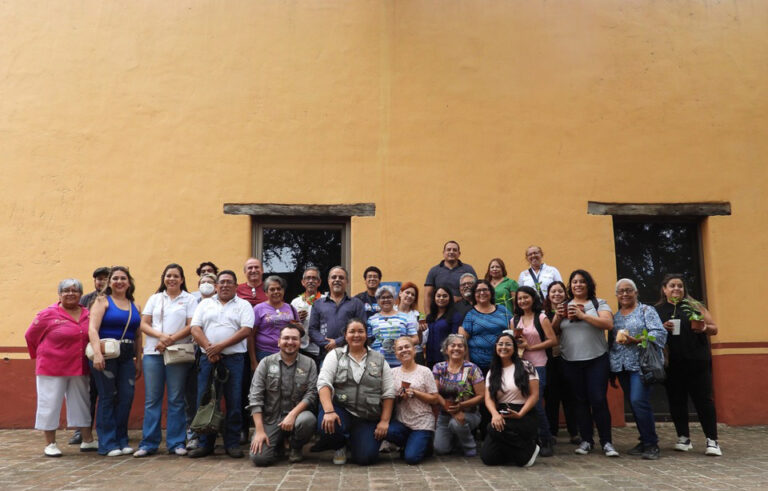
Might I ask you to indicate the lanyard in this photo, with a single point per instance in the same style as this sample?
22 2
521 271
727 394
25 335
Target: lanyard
536 282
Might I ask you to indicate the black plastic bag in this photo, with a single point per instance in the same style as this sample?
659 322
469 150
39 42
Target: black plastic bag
652 364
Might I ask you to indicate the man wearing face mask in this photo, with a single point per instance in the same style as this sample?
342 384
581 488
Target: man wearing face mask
205 268
330 314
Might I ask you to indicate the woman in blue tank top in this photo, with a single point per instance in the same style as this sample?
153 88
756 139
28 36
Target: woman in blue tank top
114 315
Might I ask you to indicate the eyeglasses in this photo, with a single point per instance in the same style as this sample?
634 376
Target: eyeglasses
625 291
482 290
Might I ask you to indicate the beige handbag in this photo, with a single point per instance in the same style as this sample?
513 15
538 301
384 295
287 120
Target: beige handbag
110 347
176 353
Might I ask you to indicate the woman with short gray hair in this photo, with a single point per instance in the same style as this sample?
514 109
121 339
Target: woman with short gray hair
271 317
388 324
56 340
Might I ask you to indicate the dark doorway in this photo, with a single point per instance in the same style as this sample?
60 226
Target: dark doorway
647 248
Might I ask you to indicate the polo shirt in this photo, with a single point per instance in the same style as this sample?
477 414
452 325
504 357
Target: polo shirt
442 275
220 322
253 295
168 316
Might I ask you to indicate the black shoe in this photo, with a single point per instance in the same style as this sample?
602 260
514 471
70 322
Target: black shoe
243 437
546 449
235 452
637 449
576 439
76 439
200 452
651 452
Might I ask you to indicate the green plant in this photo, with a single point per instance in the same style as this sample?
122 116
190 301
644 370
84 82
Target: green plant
644 337
692 308
466 391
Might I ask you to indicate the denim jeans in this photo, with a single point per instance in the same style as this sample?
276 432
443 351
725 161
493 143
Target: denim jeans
589 381
449 430
544 434
232 387
416 444
115 385
156 376
354 431
640 402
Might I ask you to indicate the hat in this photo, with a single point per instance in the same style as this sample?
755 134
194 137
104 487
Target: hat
102 271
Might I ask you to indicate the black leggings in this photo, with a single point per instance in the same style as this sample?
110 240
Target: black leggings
558 391
514 444
589 381
691 378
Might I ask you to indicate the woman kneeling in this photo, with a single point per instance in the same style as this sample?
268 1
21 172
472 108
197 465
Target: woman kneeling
511 395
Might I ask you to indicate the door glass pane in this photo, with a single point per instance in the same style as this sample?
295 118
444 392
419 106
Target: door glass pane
287 251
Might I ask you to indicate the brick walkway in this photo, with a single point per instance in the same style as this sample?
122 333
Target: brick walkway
743 466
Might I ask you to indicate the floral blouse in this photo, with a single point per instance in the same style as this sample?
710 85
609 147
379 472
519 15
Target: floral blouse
627 357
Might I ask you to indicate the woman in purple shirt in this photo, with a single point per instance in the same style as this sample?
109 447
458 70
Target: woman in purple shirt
56 340
271 316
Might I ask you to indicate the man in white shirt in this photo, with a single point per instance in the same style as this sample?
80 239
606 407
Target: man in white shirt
539 275
310 280
220 326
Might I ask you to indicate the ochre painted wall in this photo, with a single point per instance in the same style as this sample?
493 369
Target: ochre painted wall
124 127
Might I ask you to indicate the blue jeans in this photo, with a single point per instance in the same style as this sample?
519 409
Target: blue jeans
232 388
544 434
416 444
156 376
356 432
115 385
640 402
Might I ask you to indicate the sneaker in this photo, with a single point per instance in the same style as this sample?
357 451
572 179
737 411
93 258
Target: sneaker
472 452
193 444
583 449
683 444
533 457
127 450
200 452
713 448
76 439
91 446
340 456
609 450
235 452
295 455
115 453
637 449
545 448
651 452
180 451
52 450
140 453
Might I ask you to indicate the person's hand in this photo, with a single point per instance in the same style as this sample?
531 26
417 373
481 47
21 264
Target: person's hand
698 330
330 420
259 439
214 358
459 416
381 430
522 343
561 311
577 312
303 315
423 325
213 350
287 423
137 364
331 344
452 407
166 340
669 326
98 361
497 422
512 414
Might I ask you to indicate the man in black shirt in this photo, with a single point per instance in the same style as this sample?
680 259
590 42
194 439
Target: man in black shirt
372 277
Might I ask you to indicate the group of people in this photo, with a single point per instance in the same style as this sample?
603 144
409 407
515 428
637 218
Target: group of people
488 361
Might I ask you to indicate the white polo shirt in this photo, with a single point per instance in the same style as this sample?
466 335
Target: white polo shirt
547 275
168 316
220 322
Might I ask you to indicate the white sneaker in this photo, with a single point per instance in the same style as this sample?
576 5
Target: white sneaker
91 446
52 450
609 450
533 457
115 453
713 448
583 449
340 456
683 444
180 451
139 453
127 451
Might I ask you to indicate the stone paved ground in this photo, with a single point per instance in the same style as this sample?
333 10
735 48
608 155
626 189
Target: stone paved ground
743 466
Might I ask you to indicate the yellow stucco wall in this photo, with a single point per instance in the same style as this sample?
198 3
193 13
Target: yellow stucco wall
124 127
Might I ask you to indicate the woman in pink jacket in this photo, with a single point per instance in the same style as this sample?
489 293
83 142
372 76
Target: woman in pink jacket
56 339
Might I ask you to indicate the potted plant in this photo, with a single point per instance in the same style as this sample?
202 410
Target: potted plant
692 309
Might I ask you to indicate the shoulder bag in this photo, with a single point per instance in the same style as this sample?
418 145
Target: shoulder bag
110 347
176 353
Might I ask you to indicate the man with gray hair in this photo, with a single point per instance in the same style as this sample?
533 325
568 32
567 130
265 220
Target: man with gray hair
310 280
466 282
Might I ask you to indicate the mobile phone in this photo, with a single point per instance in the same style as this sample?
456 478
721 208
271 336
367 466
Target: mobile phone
504 411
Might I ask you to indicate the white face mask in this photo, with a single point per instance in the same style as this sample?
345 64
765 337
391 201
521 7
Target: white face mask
206 289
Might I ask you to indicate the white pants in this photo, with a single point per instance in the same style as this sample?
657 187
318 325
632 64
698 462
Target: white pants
51 392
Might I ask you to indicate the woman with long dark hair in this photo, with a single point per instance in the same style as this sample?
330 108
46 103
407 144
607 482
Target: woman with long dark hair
584 350
690 363
512 389
483 324
442 321
536 337
165 322
557 390
114 315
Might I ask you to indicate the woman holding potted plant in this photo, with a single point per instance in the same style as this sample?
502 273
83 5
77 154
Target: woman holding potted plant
461 386
414 425
689 326
636 324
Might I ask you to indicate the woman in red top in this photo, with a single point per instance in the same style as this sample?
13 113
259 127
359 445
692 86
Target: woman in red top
56 340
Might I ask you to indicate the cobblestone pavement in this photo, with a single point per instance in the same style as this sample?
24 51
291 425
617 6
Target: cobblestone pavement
744 465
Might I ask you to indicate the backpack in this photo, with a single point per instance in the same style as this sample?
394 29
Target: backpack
539 329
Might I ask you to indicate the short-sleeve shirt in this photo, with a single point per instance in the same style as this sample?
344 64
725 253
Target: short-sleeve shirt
254 295
547 275
580 341
411 411
510 393
220 322
267 324
450 385
483 329
169 316
385 330
441 275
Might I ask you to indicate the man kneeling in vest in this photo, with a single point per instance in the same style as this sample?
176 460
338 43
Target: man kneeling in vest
282 397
